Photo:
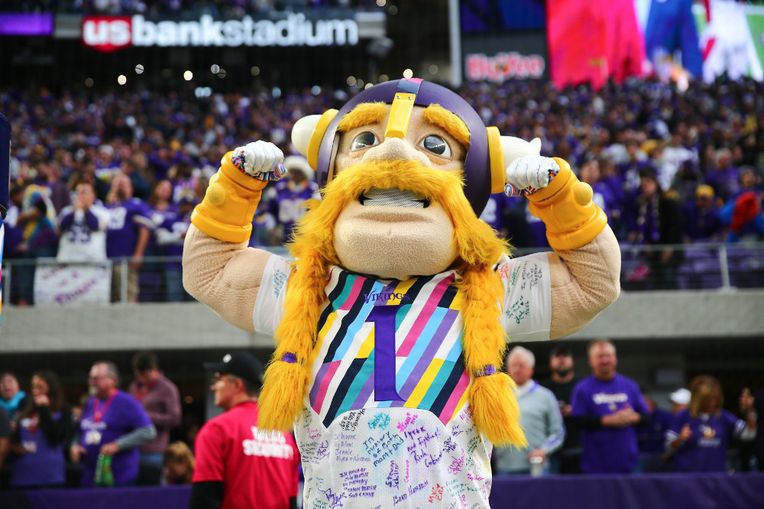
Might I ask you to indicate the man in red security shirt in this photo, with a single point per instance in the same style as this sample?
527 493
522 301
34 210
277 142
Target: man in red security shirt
238 466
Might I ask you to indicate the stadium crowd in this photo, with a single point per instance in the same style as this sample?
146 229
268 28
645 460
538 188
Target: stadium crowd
121 171
601 423
227 8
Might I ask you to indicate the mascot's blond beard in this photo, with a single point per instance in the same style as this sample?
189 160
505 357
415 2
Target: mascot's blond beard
491 396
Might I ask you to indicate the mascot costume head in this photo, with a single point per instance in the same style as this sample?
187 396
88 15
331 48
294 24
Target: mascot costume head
406 167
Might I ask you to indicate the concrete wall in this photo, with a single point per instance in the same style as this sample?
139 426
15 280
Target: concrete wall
644 315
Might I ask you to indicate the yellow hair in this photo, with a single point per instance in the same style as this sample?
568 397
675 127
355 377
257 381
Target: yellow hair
437 115
363 114
286 383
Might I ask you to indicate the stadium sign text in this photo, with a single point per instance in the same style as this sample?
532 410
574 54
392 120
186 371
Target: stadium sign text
503 66
111 33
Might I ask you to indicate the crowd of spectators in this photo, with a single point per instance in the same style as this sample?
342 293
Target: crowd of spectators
111 437
605 424
668 166
224 8
601 423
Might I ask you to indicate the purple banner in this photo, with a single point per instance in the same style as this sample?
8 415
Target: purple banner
26 24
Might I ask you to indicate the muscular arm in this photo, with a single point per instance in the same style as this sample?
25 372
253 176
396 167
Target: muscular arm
224 275
584 281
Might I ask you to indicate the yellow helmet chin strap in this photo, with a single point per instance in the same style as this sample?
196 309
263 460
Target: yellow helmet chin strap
400 115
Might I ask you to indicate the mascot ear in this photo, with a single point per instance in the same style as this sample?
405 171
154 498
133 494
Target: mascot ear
515 148
308 132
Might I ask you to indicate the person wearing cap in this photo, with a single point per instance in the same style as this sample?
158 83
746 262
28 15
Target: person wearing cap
562 380
239 466
286 199
702 222
391 322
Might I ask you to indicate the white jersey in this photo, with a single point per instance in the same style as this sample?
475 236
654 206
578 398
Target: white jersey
386 421
83 235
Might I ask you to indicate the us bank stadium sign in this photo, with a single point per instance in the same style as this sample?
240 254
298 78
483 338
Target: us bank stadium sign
112 33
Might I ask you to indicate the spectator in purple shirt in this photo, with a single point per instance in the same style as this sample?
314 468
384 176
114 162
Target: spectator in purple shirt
701 217
113 424
607 406
288 196
170 237
723 177
44 426
700 435
127 236
161 400
39 240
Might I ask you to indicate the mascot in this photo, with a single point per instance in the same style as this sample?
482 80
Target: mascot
392 321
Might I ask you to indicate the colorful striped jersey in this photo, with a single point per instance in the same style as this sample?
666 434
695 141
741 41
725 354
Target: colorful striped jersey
386 421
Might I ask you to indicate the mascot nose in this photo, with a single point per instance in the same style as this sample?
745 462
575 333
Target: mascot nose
395 149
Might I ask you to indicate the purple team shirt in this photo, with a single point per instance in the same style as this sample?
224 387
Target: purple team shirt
45 465
125 219
120 415
606 449
706 450
287 205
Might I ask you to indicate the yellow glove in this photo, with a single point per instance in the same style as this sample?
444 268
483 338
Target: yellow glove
561 201
234 191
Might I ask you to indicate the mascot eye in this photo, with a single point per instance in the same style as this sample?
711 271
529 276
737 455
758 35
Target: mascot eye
364 140
437 145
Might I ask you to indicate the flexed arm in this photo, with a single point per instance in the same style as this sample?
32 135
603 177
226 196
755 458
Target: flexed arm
585 267
218 267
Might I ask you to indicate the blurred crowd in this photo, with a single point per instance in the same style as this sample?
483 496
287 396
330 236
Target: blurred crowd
225 8
603 422
120 172
109 437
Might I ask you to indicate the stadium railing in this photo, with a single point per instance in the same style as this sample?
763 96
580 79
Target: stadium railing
705 266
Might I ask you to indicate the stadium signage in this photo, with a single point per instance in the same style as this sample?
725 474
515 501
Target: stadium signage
112 33
504 66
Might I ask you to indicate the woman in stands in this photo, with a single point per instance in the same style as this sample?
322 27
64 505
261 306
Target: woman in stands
43 428
700 435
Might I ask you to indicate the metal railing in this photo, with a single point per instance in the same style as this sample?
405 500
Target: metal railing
662 267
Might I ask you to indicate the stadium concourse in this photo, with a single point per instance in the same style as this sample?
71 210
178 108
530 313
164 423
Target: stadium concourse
112 147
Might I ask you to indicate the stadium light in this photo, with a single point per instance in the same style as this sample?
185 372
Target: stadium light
254 70
89 82
383 78
315 90
188 75
351 81
214 68
408 74
121 79
139 69
381 3
368 85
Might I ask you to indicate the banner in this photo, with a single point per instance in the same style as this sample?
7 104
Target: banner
593 40
501 57
731 40
111 33
72 285
26 24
